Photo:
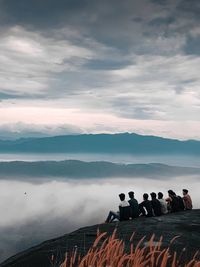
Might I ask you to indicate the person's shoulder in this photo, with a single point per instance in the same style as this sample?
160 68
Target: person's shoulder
162 201
126 202
133 200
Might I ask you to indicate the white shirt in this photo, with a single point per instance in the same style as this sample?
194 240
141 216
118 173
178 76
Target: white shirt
163 203
124 203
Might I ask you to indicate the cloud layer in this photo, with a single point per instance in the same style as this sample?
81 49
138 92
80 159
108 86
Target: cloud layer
134 61
46 210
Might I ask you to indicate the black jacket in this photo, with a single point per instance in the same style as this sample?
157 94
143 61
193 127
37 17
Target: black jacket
134 207
148 207
156 207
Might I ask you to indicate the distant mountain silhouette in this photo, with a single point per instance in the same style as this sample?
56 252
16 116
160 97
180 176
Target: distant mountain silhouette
80 169
102 143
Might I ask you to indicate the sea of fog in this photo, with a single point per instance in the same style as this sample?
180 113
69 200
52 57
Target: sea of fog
34 212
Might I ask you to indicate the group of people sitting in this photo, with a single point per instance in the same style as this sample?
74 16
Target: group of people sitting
155 207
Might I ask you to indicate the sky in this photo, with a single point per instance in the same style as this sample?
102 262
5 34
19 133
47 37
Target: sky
85 66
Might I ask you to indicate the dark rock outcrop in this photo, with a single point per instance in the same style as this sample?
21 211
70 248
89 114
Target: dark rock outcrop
185 224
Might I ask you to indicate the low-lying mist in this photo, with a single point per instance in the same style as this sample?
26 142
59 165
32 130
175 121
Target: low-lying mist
34 212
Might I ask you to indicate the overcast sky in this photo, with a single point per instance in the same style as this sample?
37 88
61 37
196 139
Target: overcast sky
80 66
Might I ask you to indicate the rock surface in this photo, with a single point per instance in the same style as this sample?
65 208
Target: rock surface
185 224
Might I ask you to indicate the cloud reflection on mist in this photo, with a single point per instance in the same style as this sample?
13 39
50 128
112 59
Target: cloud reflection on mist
33 212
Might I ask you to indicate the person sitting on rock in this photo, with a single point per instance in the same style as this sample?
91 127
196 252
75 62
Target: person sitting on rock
115 214
134 205
163 203
155 205
181 203
173 201
146 206
187 200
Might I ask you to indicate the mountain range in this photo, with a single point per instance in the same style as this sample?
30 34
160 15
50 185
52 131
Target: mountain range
100 169
101 143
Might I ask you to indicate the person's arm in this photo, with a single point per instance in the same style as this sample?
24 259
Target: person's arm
119 207
185 197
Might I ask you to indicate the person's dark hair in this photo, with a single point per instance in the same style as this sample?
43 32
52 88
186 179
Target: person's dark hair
185 191
145 196
122 196
160 195
131 194
153 195
171 192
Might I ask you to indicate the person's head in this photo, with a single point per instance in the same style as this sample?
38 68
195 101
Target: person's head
131 194
153 195
145 196
122 196
185 192
160 195
171 193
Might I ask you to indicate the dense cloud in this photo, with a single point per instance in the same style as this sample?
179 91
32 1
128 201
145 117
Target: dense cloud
135 60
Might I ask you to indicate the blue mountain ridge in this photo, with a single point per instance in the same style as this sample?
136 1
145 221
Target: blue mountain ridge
102 143
97 169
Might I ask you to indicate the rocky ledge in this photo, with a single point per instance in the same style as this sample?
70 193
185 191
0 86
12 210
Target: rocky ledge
185 225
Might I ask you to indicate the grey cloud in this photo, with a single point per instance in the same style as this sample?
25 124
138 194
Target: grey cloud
37 13
192 45
8 96
129 107
162 21
190 8
98 64
160 2
111 23
82 53
19 130
114 23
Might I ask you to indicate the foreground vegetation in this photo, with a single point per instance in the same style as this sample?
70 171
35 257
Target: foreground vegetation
110 252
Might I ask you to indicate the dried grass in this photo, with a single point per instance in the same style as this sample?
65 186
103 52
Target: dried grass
109 251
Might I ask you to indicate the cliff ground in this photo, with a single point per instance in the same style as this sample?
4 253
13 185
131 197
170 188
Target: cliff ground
185 224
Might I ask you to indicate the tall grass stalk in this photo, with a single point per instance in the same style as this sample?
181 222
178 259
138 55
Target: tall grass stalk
109 251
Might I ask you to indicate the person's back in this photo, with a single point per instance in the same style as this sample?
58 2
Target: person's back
187 200
149 208
174 201
124 203
156 205
134 205
163 203
181 203
147 205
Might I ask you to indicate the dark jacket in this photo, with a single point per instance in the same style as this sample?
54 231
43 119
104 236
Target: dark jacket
134 207
181 203
156 207
146 205
174 204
